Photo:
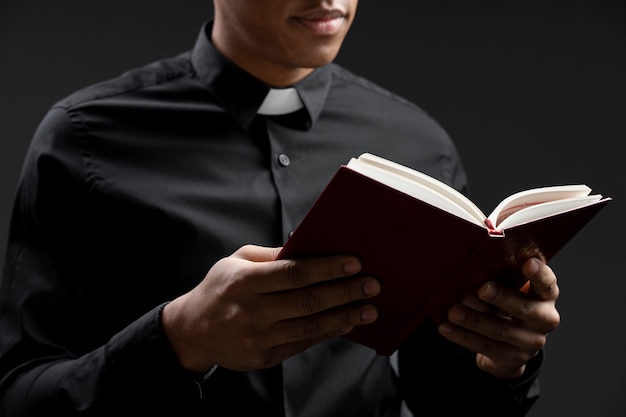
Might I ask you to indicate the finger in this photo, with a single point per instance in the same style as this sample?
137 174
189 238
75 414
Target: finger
283 351
255 253
504 357
334 322
480 330
538 315
289 274
543 282
314 299
286 338
505 353
300 334
477 304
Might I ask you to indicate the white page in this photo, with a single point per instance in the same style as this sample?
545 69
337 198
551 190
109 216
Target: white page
418 186
546 209
524 199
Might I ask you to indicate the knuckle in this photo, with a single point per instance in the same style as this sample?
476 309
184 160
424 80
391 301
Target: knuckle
349 293
486 346
244 322
553 321
473 321
275 252
311 329
309 302
234 314
501 332
305 328
539 343
350 318
553 289
523 309
295 274
331 272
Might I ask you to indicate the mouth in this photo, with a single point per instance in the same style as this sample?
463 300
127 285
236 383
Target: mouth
323 22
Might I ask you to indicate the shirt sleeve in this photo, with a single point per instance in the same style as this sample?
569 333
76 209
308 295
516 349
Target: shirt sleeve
134 372
56 354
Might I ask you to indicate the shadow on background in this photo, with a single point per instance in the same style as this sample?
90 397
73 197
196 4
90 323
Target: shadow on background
533 92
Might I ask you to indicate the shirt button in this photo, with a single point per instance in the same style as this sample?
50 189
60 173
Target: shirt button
283 160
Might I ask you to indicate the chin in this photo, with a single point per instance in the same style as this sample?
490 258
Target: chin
318 57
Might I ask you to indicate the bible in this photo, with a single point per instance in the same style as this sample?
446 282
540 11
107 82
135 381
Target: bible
427 243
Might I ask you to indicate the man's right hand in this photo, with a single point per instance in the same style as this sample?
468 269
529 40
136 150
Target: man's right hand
252 311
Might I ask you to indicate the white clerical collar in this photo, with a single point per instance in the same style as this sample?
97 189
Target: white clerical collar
280 101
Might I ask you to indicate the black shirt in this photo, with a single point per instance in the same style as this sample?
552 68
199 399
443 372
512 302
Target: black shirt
134 187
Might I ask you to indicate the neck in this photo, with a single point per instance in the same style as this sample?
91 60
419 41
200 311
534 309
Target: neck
275 76
271 72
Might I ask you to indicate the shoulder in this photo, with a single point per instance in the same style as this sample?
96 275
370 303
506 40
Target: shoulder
379 103
152 75
394 127
87 116
365 86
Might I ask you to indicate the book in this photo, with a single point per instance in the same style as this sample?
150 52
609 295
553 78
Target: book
429 244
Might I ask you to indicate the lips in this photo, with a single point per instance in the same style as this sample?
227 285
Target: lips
323 22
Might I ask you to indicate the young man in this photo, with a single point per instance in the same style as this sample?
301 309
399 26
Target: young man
136 187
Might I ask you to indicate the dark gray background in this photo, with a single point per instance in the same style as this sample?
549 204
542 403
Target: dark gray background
533 92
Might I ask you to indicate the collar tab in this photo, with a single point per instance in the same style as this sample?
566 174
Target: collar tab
280 101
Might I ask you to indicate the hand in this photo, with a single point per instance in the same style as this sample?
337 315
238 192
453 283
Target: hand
504 326
252 311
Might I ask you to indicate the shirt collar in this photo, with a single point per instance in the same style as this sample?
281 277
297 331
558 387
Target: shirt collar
280 101
240 93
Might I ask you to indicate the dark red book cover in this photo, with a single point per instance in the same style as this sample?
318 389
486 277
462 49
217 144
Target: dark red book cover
425 258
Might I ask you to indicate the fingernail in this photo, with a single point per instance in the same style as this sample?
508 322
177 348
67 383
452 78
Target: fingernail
371 287
446 327
346 330
352 267
369 314
533 266
458 314
490 291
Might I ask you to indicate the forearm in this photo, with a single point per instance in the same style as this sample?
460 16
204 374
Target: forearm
134 371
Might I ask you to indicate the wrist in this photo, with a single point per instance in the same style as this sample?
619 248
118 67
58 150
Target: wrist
487 365
175 329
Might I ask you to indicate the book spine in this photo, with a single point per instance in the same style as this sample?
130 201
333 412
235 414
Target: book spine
493 231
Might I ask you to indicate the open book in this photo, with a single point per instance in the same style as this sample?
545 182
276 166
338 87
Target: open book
518 208
427 243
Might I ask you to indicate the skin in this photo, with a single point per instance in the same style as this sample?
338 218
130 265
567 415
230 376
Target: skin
281 41
507 327
252 311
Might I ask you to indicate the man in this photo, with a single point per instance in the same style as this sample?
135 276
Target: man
136 187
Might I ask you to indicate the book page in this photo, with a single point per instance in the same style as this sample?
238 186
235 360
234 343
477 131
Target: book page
549 208
418 185
523 199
